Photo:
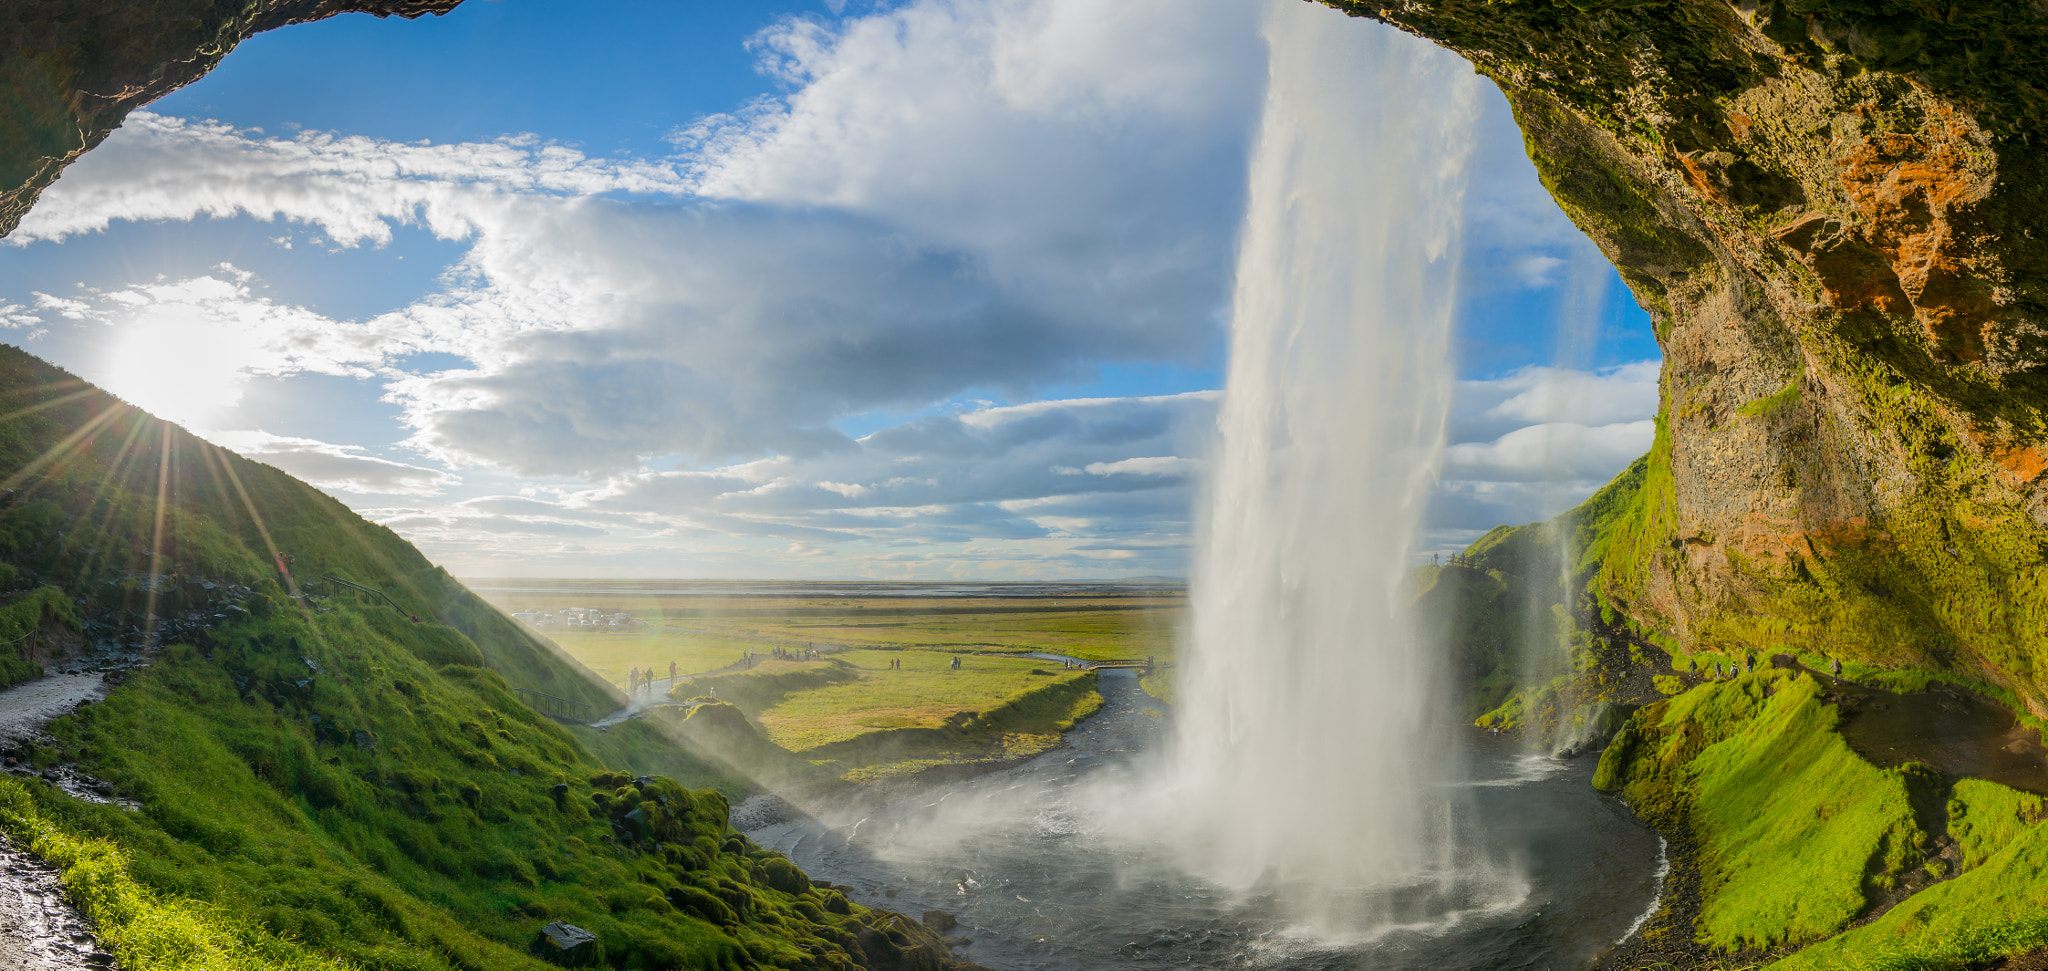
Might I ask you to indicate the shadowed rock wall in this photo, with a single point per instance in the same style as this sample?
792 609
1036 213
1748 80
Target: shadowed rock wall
70 70
1834 213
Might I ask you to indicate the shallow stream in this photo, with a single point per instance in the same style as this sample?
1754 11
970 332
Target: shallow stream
1035 885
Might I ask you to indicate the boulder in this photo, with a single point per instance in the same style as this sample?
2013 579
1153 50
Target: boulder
567 945
939 921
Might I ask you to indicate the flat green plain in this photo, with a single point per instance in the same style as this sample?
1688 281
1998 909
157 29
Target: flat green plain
1144 622
884 692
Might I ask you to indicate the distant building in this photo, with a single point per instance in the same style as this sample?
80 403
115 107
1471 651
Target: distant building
578 619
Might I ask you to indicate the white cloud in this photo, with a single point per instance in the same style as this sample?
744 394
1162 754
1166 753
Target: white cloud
354 188
1161 465
954 198
1536 441
346 468
1546 394
1559 452
957 195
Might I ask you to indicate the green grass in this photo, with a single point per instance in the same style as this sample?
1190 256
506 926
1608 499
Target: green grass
42 613
925 693
1996 909
442 845
1788 818
864 720
1985 817
1146 622
1162 683
1789 822
147 929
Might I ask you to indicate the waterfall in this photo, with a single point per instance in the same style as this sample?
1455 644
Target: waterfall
1557 717
1313 753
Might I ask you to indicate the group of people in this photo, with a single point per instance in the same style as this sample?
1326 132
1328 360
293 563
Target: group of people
1731 669
896 663
642 679
748 657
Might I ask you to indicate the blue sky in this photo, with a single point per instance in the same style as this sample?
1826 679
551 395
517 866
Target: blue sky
931 289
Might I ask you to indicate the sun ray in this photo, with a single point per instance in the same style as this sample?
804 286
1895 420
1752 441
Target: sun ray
107 481
52 403
156 537
285 578
64 447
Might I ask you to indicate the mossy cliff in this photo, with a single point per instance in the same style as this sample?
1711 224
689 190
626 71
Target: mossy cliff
1832 212
305 774
70 70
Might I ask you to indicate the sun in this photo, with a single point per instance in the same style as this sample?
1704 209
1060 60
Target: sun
177 369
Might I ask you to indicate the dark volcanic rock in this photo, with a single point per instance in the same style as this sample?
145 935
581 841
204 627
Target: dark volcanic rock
72 69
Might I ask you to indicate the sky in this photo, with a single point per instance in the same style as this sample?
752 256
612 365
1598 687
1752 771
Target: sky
932 289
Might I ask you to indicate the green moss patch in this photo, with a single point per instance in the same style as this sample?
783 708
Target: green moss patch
1794 831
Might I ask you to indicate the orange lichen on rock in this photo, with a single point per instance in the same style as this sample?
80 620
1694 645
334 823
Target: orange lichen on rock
2023 464
1910 189
1852 275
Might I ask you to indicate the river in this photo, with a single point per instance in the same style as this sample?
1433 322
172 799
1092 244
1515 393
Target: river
1014 855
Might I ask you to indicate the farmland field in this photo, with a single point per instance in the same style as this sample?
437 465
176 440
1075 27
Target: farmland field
885 671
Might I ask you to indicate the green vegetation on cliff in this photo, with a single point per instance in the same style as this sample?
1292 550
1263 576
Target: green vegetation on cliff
1789 822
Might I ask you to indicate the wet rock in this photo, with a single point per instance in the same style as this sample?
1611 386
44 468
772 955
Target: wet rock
939 921
567 945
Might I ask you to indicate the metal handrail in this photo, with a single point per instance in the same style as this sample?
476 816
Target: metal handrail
357 586
554 707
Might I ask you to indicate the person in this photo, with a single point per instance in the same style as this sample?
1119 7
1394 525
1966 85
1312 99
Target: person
671 670
956 662
1835 668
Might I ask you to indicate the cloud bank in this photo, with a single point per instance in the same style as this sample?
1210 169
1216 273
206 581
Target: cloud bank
954 200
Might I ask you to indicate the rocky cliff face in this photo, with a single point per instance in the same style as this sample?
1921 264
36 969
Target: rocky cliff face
70 70
1835 213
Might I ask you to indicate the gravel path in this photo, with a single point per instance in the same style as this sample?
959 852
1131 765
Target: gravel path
26 708
39 930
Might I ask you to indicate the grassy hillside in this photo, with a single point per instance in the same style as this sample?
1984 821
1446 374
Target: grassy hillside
322 780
